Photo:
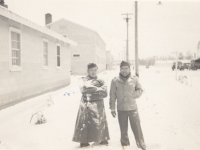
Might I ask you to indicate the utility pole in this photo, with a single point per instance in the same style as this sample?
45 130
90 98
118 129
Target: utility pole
123 52
127 20
136 40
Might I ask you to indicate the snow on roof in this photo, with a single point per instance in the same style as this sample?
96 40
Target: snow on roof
8 14
63 19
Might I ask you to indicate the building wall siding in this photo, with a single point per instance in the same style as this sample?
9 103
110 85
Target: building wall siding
33 79
108 60
100 48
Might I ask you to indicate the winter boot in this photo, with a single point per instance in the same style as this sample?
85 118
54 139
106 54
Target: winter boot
84 144
104 142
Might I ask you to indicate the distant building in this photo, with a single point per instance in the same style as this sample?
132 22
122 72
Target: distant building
109 60
90 48
33 59
198 50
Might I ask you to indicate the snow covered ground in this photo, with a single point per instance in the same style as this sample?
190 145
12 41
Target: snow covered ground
169 113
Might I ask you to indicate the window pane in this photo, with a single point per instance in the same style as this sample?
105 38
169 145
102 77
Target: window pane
14 36
18 37
58 50
44 47
15 44
45 44
45 60
18 45
45 53
18 57
17 62
12 61
13 53
58 61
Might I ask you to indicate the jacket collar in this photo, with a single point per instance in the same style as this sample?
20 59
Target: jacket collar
128 80
119 79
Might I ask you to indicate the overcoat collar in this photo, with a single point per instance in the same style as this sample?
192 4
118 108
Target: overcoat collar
90 78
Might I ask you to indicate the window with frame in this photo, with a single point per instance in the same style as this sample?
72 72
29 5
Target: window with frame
45 53
58 56
15 49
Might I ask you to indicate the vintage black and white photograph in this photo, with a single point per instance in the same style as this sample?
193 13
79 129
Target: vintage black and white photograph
99 75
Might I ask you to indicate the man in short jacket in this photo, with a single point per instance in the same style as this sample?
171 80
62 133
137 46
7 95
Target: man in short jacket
125 89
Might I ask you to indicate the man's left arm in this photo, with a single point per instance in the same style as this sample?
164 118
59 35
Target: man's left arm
103 89
138 89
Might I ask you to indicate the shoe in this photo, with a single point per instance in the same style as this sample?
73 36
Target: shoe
84 144
104 142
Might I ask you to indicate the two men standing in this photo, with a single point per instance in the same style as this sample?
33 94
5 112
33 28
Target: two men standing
91 124
125 89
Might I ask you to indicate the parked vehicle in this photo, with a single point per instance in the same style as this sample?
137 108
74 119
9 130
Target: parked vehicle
195 64
179 65
182 65
186 66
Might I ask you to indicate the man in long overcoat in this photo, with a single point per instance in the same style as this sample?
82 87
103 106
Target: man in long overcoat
91 124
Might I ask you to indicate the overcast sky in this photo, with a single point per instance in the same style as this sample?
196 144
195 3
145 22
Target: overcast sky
162 28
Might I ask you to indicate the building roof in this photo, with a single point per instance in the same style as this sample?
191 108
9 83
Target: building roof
63 19
8 14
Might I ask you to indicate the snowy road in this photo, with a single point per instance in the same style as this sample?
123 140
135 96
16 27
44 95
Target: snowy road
169 113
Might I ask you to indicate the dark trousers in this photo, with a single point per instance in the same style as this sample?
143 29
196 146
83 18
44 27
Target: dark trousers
134 119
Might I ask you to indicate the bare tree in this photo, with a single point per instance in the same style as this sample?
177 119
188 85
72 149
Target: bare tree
188 55
181 56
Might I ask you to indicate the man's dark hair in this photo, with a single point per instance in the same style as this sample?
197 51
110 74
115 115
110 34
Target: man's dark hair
91 65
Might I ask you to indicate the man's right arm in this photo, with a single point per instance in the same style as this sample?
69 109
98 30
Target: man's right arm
113 91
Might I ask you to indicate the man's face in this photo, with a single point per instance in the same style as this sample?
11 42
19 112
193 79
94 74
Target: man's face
92 72
124 70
